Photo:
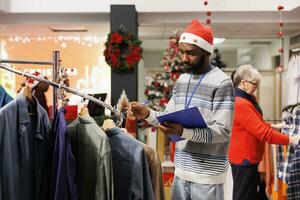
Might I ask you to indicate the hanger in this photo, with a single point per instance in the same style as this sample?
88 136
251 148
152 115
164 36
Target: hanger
290 108
108 124
83 110
27 92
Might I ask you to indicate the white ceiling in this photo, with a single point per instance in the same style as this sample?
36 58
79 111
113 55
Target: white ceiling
155 28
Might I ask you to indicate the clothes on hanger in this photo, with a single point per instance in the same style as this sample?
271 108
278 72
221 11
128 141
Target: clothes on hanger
4 97
288 159
293 190
63 172
284 161
155 170
131 174
24 144
91 149
293 80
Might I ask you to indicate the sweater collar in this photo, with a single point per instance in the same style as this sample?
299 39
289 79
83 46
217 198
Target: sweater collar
241 93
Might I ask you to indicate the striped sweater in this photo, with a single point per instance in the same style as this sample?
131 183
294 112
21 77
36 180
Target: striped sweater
202 156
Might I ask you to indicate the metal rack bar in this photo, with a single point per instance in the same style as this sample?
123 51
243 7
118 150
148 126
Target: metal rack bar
26 62
68 89
55 67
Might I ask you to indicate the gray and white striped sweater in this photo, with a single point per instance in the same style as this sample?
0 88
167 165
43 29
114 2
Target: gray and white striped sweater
202 157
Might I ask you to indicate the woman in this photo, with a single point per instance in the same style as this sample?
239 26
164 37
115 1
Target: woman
249 133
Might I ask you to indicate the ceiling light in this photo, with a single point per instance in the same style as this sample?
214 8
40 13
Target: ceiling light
68 28
219 40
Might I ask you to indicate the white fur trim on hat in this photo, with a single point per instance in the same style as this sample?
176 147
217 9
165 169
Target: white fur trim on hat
196 40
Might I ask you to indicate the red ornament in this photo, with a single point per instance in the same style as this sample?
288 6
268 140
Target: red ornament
208 21
280 24
205 3
280 50
175 76
163 101
279 68
208 13
156 84
279 34
280 8
146 92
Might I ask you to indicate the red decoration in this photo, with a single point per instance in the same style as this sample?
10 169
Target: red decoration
280 50
123 51
279 68
279 34
205 3
175 76
208 13
280 8
164 101
208 21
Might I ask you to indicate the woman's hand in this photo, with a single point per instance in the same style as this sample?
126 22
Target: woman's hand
278 126
294 140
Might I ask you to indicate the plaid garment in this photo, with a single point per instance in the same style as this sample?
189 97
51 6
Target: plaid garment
293 190
293 128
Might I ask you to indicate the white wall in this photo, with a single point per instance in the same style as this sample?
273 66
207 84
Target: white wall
152 58
261 58
141 80
229 57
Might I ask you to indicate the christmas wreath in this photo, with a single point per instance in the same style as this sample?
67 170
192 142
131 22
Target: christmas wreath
122 51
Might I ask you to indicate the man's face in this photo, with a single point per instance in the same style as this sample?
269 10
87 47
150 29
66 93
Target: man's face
192 57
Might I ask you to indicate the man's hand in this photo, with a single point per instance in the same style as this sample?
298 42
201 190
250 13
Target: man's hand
138 111
170 128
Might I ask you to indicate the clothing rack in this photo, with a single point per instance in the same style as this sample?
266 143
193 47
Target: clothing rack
55 67
68 89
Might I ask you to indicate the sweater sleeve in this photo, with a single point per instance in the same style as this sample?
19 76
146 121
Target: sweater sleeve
220 122
250 121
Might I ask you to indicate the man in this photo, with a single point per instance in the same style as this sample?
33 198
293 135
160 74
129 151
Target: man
201 159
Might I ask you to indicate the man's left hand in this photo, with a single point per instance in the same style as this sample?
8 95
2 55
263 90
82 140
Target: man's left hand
170 128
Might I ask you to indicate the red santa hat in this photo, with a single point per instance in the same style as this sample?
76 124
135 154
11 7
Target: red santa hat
199 35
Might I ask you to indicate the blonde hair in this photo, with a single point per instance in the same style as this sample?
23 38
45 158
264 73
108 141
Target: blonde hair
246 72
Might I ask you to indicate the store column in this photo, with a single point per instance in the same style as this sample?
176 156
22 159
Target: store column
124 15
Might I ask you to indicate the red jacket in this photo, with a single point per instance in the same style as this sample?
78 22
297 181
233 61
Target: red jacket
249 133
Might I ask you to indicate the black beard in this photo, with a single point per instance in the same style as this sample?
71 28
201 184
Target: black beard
193 69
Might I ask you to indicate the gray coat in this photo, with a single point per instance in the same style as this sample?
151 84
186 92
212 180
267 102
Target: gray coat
21 171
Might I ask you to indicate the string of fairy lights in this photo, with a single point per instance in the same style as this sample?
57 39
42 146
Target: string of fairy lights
62 40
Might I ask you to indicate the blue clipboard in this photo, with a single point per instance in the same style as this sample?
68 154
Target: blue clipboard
188 118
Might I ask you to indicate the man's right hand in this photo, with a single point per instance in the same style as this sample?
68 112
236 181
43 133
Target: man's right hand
138 111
